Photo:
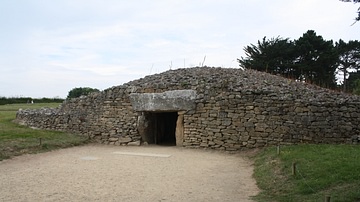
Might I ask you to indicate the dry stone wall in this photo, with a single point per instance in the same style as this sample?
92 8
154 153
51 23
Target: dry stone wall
235 109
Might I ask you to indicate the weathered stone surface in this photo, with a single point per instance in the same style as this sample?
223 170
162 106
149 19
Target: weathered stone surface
136 143
124 139
113 139
176 100
143 127
179 133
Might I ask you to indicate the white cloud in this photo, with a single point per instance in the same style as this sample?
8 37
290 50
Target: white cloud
49 47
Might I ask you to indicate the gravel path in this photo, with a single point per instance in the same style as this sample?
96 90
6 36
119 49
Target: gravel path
113 173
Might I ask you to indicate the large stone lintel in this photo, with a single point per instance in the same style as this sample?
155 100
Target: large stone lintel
176 100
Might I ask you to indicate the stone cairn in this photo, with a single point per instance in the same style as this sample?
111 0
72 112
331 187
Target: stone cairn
235 109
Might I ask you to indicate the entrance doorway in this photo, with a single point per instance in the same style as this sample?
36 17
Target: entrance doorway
161 115
165 128
160 128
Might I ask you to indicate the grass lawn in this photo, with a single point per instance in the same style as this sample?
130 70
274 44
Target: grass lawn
321 170
16 139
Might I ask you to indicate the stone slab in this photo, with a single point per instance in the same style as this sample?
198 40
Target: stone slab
143 154
175 100
89 158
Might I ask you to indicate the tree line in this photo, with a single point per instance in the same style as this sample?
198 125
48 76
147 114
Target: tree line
29 100
73 93
310 59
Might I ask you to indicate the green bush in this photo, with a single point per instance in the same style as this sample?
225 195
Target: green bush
77 92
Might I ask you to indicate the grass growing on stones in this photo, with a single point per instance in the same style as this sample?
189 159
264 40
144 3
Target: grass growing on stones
321 170
16 139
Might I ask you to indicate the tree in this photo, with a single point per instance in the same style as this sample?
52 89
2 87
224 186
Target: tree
349 58
310 58
257 56
358 11
77 92
316 59
274 56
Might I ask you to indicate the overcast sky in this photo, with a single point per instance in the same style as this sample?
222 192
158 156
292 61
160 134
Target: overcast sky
49 47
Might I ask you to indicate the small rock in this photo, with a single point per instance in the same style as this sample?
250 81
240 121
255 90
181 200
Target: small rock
124 139
136 143
113 139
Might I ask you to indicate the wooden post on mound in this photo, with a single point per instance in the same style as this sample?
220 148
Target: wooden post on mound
293 168
327 198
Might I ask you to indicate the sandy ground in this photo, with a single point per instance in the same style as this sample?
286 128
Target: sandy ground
113 173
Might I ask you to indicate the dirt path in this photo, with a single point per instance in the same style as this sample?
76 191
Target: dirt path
113 173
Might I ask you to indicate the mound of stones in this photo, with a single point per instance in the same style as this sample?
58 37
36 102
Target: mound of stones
234 109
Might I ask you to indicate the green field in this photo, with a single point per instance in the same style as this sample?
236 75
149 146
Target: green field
320 171
16 139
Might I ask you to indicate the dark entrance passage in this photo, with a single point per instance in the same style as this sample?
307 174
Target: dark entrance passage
159 127
165 128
